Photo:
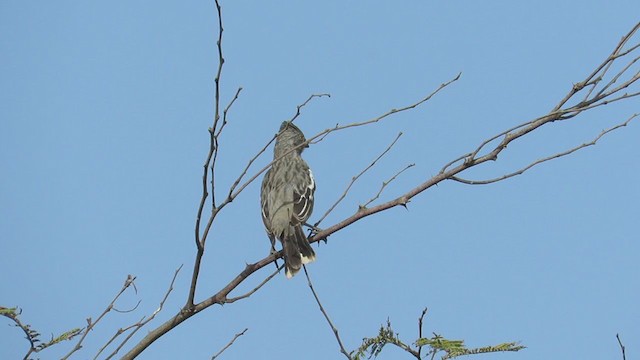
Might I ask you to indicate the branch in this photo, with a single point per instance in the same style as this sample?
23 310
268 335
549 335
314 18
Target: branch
215 142
320 136
420 319
213 153
624 356
539 161
266 280
90 325
141 323
326 316
299 107
355 178
384 185
230 343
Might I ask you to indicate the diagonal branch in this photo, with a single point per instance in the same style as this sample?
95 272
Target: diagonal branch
92 324
229 344
384 185
266 280
326 316
137 326
624 356
355 178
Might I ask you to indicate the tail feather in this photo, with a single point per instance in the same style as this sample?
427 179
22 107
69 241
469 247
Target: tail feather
297 251
292 258
306 251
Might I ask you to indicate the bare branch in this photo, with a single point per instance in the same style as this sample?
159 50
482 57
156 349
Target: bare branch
624 356
615 54
326 316
219 73
213 150
605 96
215 140
420 320
384 185
90 325
299 107
355 178
230 343
266 280
143 322
226 110
320 136
539 161
138 325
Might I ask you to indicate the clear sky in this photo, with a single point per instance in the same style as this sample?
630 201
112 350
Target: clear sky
104 110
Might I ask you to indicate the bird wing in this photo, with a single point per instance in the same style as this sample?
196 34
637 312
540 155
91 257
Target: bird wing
303 197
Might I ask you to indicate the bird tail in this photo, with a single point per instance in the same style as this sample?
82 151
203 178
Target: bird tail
297 251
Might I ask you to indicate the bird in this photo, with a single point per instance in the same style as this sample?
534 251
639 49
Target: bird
286 198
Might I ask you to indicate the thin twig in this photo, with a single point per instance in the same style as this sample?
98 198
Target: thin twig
326 316
246 295
230 343
320 136
226 110
129 310
355 178
216 143
115 336
384 185
299 107
420 319
90 325
138 325
624 356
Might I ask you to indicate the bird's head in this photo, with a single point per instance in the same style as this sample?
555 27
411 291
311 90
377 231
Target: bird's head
289 137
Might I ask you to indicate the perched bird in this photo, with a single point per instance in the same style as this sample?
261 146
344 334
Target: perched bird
286 198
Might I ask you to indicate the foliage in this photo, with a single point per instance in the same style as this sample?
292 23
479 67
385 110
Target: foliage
33 336
372 347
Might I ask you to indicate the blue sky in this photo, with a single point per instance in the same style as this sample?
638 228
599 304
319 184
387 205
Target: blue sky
105 108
